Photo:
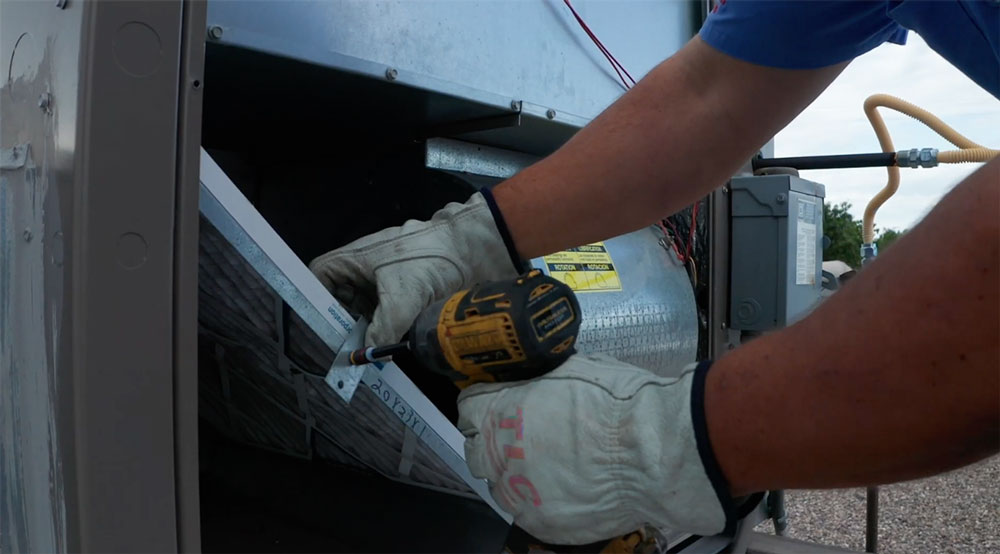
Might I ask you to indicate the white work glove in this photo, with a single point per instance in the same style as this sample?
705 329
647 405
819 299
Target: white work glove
597 448
395 273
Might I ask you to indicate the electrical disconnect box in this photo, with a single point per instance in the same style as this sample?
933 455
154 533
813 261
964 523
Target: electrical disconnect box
777 250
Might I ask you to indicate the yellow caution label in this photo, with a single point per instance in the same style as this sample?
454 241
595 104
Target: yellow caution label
586 268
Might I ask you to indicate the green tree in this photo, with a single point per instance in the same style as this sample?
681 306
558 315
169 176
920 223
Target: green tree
886 238
844 233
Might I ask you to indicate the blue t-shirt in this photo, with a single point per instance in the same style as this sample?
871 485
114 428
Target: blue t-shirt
806 34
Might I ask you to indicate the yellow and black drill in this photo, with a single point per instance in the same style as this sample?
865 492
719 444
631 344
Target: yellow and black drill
494 332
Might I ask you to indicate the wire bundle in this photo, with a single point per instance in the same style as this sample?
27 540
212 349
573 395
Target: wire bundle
615 64
683 249
677 242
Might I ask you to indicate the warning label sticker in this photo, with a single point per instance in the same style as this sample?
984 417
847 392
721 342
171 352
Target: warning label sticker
585 268
805 244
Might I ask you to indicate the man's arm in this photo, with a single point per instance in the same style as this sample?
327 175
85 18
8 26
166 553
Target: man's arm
897 376
681 131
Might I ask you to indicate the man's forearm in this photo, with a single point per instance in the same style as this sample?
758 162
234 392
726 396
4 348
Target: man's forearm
682 131
897 376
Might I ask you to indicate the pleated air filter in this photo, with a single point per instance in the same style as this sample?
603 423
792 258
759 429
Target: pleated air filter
263 361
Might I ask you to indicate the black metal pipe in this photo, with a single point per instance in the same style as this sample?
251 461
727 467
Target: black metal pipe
839 161
776 509
871 519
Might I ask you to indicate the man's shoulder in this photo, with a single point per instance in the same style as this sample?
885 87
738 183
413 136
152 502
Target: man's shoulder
964 32
800 34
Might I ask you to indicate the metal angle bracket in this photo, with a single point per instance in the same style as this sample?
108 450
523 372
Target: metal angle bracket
344 377
222 204
14 157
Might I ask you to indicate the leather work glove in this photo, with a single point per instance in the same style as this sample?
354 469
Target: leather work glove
597 448
395 273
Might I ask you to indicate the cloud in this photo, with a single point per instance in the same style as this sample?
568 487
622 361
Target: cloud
835 124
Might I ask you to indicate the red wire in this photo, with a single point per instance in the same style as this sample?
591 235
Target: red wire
600 45
607 54
675 238
615 64
619 69
683 257
694 218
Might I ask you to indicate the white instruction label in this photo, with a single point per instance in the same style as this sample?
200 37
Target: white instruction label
805 248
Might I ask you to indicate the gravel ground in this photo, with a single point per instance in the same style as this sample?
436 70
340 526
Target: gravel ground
958 512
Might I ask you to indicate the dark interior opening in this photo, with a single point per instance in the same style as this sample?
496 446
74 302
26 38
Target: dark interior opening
322 174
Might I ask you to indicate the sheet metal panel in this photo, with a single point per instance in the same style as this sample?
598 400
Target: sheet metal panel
652 322
34 207
489 51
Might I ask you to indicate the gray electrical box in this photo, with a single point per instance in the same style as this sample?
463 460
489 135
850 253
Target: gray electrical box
777 250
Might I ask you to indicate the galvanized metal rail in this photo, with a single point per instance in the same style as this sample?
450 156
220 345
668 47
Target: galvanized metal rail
222 203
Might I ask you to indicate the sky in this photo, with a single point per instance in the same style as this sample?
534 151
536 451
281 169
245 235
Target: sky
836 124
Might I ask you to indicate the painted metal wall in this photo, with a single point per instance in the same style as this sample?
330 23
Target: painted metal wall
92 285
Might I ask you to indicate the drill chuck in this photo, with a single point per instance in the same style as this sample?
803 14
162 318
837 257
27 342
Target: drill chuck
371 354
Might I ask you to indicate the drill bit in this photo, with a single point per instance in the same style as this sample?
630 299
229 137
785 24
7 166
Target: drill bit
370 354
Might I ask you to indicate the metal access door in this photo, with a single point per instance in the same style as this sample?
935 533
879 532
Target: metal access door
100 109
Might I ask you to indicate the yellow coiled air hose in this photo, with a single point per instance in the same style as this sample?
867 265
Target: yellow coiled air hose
968 151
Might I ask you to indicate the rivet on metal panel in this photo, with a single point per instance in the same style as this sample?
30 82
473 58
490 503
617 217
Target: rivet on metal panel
780 198
391 74
61 4
196 84
215 32
551 114
27 235
45 102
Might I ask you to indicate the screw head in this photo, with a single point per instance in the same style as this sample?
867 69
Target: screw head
45 101
723 326
27 235
551 114
391 74
340 384
215 32
781 198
